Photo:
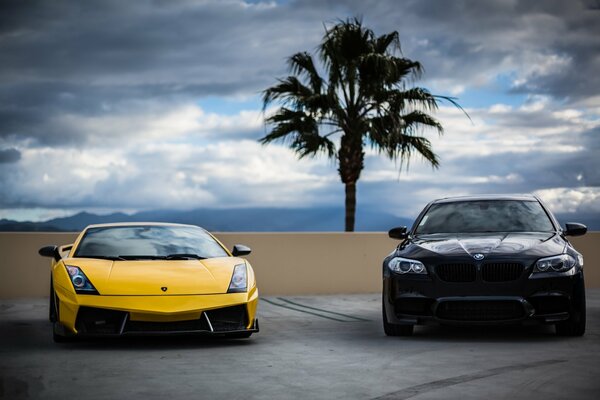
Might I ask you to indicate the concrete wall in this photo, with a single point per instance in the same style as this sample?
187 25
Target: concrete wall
285 263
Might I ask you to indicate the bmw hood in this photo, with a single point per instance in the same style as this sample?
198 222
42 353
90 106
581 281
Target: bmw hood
488 244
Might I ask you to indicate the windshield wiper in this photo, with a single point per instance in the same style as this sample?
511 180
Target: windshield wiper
175 256
184 256
142 257
113 258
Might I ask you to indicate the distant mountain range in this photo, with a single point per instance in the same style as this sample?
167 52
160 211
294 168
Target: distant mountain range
225 220
249 220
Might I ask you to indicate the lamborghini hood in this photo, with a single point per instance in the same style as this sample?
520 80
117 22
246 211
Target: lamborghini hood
158 277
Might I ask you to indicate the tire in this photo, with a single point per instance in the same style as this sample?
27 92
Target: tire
52 314
395 329
575 325
57 337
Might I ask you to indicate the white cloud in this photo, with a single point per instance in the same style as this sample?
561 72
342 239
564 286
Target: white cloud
113 120
500 109
570 200
187 158
152 121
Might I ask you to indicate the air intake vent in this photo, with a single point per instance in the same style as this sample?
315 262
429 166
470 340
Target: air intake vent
480 310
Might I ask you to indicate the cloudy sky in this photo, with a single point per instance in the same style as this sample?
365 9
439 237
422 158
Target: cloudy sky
110 105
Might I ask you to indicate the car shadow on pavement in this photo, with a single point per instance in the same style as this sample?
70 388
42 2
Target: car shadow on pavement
37 334
484 334
144 343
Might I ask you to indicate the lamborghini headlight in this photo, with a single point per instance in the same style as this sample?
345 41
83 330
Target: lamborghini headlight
239 279
80 282
401 265
561 263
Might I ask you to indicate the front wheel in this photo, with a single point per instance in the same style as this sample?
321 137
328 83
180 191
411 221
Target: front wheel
395 329
575 325
52 314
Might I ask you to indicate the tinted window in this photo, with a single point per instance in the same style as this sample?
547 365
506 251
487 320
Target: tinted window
485 216
147 240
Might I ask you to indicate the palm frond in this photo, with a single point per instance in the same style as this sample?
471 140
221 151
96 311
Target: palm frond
418 119
290 91
452 100
300 131
384 42
302 64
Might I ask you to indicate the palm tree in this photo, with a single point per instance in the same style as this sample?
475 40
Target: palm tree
362 100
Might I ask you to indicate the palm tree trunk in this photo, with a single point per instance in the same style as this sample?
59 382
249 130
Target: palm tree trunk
350 205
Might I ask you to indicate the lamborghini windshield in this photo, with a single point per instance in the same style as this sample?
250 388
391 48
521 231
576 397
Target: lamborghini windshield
485 216
148 242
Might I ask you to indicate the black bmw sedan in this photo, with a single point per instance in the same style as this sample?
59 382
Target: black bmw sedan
484 260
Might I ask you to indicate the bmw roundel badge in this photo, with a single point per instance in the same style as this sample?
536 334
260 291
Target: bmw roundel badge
478 256
164 288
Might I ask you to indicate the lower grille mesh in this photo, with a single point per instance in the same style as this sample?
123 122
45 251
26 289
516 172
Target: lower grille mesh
480 310
229 318
99 321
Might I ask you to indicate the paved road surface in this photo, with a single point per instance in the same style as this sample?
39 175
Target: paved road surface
312 347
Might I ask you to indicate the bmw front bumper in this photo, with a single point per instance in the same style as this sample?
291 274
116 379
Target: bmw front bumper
427 299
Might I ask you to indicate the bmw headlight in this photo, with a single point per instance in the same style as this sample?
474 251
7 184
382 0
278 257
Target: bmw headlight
80 282
401 265
239 279
561 263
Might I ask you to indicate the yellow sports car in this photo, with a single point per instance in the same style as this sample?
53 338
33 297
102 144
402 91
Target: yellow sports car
150 278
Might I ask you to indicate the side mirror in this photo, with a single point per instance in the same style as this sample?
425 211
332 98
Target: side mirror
50 251
240 250
574 229
398 233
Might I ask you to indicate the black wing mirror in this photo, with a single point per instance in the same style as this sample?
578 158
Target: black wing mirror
574 229
398 233
240 250
50 251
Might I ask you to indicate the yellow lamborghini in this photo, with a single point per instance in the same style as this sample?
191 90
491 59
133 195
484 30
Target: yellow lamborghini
150 278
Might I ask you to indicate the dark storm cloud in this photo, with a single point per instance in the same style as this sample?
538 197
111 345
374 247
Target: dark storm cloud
468 38
75 74
9 156
87 58
29 110
149 42
65 57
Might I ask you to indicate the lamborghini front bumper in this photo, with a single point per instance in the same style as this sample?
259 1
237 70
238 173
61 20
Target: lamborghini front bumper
97 315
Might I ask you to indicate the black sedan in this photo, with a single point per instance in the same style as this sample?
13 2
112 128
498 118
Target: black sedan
484 260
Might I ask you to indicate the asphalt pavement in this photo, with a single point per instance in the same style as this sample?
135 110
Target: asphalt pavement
309 347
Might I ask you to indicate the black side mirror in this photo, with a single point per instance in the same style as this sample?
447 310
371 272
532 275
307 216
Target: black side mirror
398 233
50 251
574 229
240 250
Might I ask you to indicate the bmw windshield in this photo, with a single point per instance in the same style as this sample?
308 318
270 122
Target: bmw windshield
148 242
485 216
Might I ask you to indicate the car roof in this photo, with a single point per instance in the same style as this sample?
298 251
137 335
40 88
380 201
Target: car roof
480 197
117 224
